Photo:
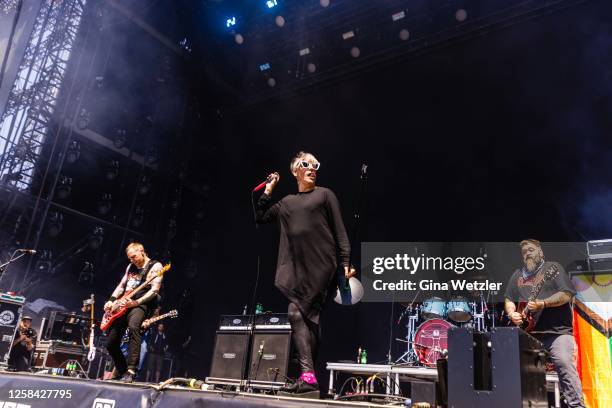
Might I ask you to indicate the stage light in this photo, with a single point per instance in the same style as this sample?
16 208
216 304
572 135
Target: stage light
230 22
83 120
324 3
304 51
144 185
461 15
44 263
398 15
96 238
86 276
404 34
112 170
355 52
105 204
312 68
264 67
74 152
55 223
120 138
271 3
64 188
348 35
280 21
138 218
239 39
271 82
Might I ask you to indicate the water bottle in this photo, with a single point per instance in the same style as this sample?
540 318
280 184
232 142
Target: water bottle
258 309
364 357
359 356
244 311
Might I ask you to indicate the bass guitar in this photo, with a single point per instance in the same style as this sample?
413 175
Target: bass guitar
149 322
529 319
119 307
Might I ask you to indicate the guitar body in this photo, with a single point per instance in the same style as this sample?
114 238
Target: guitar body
529 321
110 316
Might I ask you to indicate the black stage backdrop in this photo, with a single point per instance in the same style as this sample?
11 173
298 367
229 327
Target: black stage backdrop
496 139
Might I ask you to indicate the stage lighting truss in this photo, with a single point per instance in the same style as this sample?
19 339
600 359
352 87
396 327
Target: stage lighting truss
105 204
96 238
86 276
74 152
120 138
44 264
55 223
31 103
112 170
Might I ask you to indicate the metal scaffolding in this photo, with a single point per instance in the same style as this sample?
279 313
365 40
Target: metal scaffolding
31 104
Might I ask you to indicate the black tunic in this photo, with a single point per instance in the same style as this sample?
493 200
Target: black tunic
312 239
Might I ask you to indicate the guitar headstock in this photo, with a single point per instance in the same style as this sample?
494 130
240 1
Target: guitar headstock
163 270
173 313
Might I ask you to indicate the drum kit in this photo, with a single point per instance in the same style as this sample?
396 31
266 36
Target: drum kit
428 341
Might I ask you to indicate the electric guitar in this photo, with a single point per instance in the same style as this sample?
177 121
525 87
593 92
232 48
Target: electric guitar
530 320
119 307
149 322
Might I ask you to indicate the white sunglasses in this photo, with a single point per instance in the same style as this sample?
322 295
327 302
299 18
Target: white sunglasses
315 166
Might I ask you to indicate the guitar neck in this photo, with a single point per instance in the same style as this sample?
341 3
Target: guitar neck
160 317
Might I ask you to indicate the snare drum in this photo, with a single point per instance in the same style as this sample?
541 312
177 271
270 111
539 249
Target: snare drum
458 309
431 341
433 308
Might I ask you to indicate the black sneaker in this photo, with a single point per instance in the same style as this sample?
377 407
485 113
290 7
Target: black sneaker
116 376
128 377
300 388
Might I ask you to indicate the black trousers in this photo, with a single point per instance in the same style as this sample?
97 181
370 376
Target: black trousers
19 358
305 336
132 320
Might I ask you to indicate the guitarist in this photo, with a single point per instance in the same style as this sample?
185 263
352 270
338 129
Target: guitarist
552 311
140 269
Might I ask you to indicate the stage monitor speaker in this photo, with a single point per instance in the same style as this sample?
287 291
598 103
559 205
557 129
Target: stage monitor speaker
230 354
270 355
501 369
423 392
10 314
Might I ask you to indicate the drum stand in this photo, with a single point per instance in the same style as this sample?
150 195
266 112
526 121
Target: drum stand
479 318
410 356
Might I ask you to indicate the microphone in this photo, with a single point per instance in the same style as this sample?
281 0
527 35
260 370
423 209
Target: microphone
29 251
262 184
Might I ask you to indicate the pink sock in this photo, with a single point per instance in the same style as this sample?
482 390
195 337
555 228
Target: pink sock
309 377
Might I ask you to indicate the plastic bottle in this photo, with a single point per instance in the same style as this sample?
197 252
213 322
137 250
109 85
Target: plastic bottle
259 309
364 357
359 356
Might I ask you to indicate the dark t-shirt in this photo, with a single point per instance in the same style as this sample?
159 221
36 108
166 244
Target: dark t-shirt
19 348
551 320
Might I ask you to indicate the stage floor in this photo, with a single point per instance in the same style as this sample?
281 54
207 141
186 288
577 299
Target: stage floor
21 390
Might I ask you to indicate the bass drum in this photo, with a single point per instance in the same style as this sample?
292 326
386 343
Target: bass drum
430 340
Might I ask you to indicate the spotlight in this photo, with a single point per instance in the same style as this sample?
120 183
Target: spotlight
355 52
280 21
348 35
74 152
271 3
120 138
312 68
239 39
230 22
64 188
195 239
55 223
96 238
271 82
304 51
171 228
144 186
86 276
44 263
105 204
264 67
404 34
152 156
461 15
112 170
83 120
398 16
324 3
138 218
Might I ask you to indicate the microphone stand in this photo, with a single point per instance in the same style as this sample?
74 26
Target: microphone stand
4 266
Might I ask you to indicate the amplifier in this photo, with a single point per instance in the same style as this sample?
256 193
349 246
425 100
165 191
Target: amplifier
272 321
235 322
601 264
10 314
270 355
230 354
599 249
53 353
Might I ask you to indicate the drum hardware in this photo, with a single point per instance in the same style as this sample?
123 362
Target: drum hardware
433 308
410 356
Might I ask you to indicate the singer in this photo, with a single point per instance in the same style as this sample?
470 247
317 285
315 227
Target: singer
312 240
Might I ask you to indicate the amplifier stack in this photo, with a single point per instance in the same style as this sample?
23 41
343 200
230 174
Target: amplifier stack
251 351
